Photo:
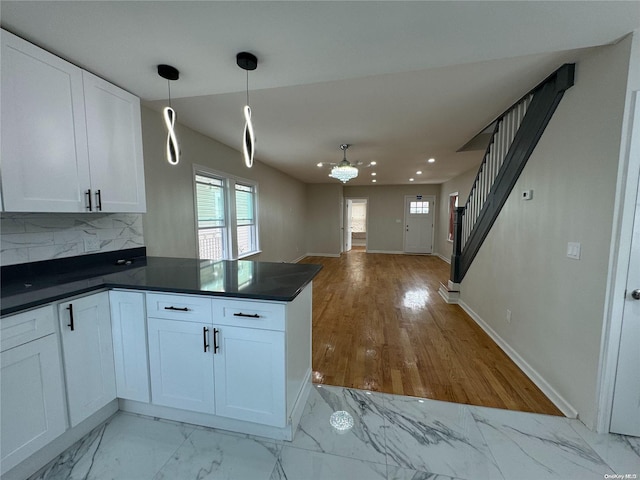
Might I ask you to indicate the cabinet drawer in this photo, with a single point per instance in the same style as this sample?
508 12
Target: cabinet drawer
245 313
179 307
27 326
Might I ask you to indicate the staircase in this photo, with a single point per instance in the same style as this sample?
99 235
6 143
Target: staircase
515 135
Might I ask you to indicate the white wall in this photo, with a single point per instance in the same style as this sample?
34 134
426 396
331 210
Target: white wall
170 220
385 208
461 184
558 303
324 219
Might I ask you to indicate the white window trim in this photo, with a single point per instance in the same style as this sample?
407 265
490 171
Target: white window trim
230 207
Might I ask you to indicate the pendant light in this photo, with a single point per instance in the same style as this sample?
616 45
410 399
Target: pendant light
344 171
247 61
173 150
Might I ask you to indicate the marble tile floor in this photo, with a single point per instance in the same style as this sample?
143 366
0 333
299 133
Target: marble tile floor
393 437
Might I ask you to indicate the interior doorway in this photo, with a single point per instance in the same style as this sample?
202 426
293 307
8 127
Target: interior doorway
355 224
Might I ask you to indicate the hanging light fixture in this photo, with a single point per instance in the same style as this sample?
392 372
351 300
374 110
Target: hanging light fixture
344 171
173 150
247 61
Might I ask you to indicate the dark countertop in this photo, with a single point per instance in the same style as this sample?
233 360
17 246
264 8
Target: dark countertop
239 279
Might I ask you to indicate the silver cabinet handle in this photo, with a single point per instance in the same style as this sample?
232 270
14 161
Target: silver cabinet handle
636 294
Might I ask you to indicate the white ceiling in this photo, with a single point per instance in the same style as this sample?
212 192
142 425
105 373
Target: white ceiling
400 81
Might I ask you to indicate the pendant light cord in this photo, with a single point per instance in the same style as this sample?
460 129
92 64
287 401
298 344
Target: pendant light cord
247 86
169 87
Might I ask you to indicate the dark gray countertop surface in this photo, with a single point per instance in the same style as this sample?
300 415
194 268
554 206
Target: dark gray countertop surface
238 279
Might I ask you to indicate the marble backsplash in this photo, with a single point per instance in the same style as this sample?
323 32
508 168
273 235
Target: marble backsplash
32 237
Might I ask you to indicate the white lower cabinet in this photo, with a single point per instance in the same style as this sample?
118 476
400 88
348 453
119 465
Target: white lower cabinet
31 389
249 368
129 327
87 352
181 364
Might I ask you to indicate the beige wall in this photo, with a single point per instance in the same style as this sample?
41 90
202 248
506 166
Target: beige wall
385 207
324 219
169 223
558 303
461 184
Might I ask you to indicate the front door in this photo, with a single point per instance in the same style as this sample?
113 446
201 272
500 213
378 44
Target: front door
418 223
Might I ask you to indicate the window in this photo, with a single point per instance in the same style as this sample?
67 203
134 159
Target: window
245 218
226 207
419 208
212 227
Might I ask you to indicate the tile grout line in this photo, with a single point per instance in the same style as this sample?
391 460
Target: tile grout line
484 439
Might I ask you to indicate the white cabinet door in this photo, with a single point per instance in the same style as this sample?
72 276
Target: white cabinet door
250 375
129 330
32 399
181 364
44 149
114 133
87 349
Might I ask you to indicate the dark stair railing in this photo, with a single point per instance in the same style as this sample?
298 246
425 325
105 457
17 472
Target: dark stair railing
515 135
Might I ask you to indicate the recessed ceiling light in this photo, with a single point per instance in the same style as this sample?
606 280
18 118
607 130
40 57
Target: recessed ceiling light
431 160
373 163
411 179
320 164
373 174
373 181
419 172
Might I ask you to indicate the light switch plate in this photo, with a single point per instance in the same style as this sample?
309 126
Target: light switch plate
573 250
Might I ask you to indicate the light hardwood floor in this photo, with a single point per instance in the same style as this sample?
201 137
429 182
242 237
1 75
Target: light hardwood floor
379 324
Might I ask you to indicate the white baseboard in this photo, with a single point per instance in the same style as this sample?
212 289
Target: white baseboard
390 252
321 255
443 258
299 258
565 407
449 296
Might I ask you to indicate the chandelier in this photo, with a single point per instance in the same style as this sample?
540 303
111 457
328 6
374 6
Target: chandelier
344 171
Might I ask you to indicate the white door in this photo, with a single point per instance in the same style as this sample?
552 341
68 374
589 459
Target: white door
625 416
114 136
418 221
129 330
348 210
181 364
87 348
32 399
250 375
44 150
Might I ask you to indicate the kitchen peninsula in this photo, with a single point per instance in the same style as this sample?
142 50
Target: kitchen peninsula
221 344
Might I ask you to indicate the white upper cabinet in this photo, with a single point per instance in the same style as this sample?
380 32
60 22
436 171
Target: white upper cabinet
71 142
44 142
114 134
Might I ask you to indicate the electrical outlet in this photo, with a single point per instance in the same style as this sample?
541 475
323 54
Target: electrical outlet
508 316
91 244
